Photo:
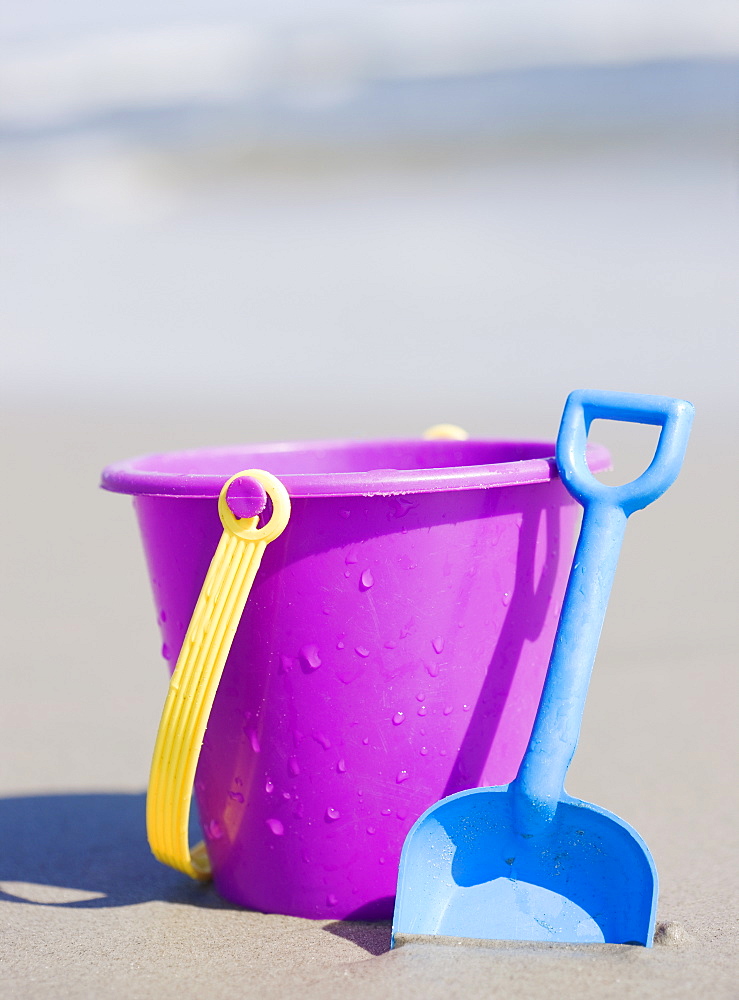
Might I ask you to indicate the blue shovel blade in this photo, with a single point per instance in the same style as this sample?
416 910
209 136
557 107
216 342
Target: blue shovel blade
466 872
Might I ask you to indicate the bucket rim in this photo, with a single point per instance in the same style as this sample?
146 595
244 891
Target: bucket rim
132 477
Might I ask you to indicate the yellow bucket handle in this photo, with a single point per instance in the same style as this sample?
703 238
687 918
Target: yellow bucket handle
445 432
197 674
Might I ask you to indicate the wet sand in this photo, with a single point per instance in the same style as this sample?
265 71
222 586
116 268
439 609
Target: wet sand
87 912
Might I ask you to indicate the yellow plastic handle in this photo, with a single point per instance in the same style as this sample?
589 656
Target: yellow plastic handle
445 432
195 680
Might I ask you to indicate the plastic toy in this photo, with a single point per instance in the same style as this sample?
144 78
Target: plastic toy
392 650
526 861
199 669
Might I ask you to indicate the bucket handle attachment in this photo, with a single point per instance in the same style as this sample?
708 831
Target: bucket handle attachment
195 680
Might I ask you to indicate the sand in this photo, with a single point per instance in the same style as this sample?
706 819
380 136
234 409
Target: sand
87 912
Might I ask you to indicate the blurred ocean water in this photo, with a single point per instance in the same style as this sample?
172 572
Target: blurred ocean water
408 204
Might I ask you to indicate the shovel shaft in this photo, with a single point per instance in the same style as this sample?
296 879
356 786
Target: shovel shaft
557 726
539 784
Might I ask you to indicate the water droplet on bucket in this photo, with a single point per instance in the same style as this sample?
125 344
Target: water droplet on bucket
352 557
401 505
362 651
347 573
398 718
286 664
442 753
432 669
236 796
214 830
401 776
365 740
465 708
269 787
341 766
422 710
506 599
390 644
385 812
254 740
331 900
424 751
438 644
401 813
162 615
324 741
448 710
309 656
332 814
371 830
381 861
165 651
275 826
286 796
339 644
293 766
420 696
366 580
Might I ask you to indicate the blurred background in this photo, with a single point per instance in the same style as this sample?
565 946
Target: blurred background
362 217
242 221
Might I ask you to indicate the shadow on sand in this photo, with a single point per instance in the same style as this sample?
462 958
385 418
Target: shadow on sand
58 848
79 844
373 937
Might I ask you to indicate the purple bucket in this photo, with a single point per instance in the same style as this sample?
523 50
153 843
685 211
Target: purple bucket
392 650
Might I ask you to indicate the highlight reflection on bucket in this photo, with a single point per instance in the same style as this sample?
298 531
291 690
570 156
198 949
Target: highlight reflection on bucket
392 649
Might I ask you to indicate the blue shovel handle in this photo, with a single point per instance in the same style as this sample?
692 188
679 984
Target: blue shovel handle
674 416
539 784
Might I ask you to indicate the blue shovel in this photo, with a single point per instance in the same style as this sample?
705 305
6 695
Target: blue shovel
526 861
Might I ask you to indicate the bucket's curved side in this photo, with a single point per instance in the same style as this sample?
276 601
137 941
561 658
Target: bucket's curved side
392 651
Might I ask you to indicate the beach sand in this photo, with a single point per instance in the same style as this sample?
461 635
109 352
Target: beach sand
87 912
